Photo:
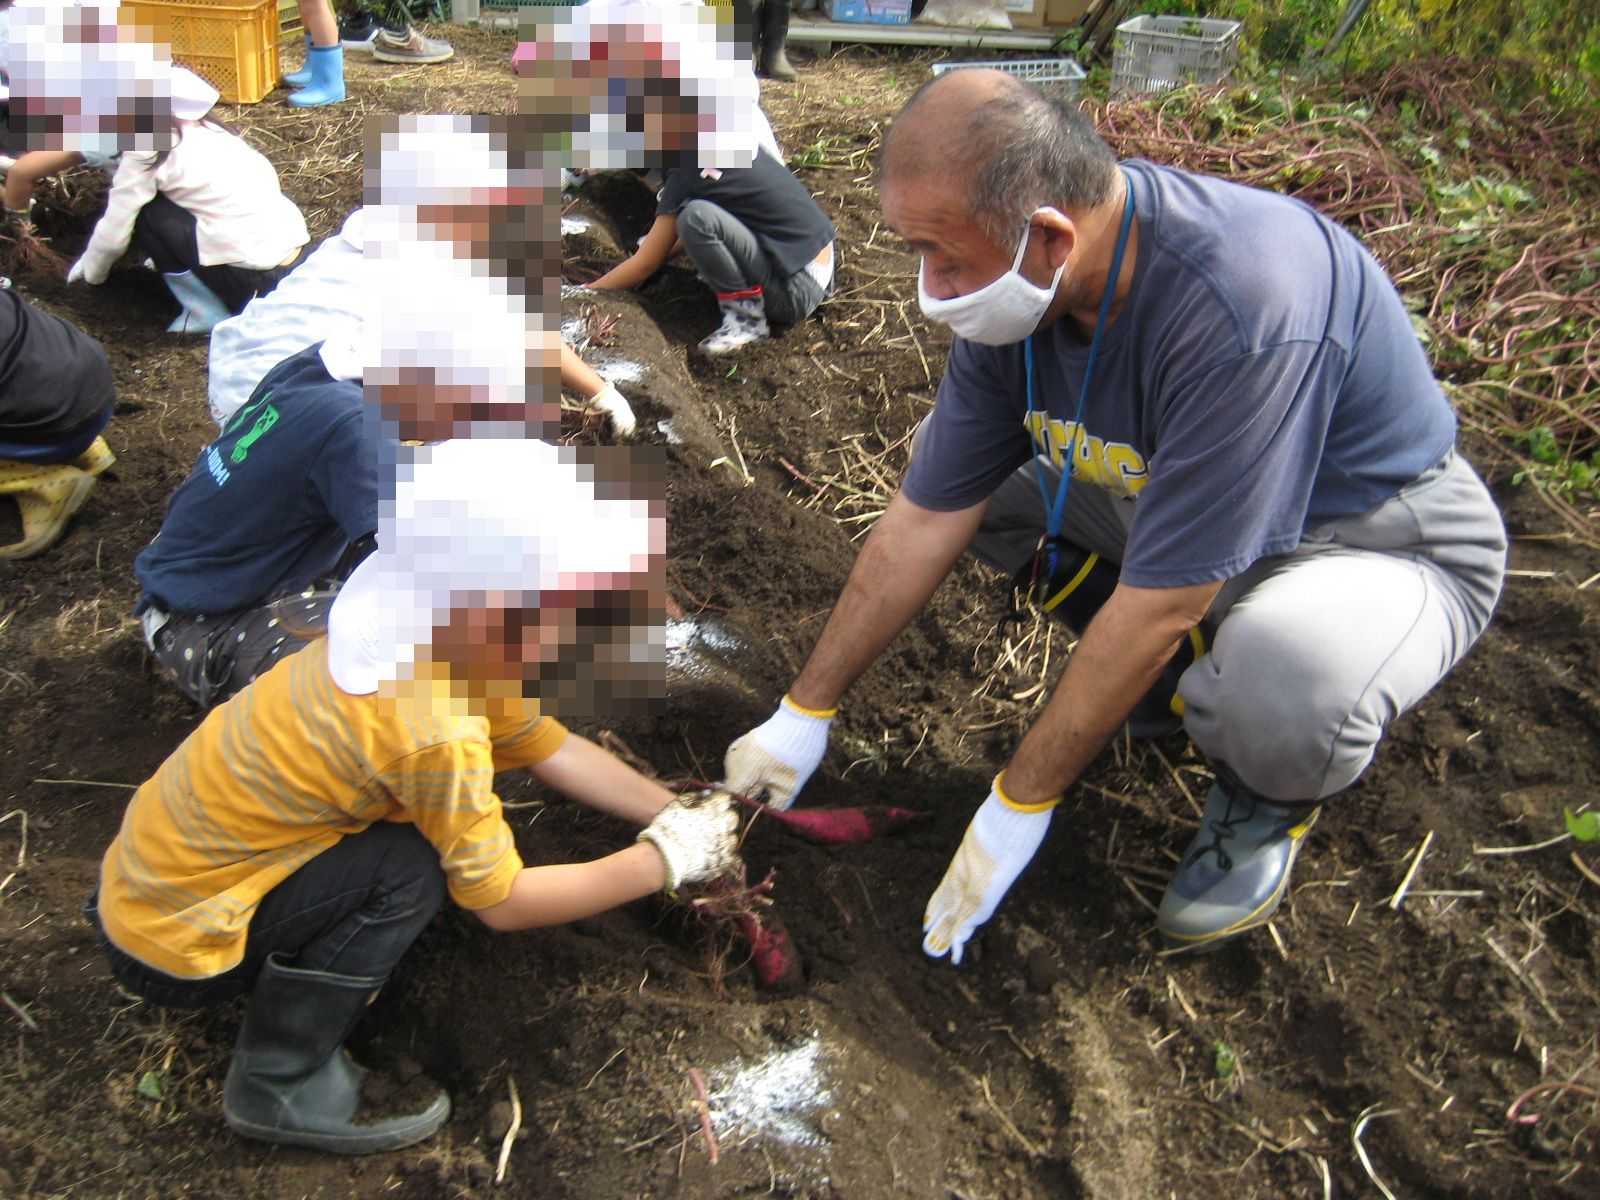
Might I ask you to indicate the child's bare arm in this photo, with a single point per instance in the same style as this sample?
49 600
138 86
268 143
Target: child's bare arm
28 170
649 258
600 780
578 376
695 838
571 891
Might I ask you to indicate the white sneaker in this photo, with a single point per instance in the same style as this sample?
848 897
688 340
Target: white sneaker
410 47
743 322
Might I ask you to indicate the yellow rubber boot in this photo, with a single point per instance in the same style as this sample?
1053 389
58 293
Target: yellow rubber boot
46 497
96 459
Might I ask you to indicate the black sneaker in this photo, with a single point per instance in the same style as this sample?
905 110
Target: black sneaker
357 32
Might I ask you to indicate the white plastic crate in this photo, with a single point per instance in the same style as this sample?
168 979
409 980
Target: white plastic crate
1063 74
1153 54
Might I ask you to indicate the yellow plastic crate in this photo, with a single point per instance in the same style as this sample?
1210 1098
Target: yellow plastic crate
232 45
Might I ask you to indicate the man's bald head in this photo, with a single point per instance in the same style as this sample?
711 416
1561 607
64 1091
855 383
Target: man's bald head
1014 149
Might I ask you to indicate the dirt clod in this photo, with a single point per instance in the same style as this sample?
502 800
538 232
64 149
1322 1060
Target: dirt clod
1042 969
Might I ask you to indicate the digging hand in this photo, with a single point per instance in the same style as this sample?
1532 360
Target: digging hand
80 273
1001 840
615 405
773 761
697 835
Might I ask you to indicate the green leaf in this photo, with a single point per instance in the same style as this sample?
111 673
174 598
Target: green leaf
1585 827
152 1085
1226 1060
1542 445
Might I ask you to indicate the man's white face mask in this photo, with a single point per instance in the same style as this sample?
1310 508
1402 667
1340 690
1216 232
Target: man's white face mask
1006 311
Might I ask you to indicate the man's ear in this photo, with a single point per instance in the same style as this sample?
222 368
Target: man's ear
1056 232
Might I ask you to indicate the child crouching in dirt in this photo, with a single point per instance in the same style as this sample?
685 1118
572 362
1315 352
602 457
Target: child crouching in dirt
756 236
296 844
208 214
56 396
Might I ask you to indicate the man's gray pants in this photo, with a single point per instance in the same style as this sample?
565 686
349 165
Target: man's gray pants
1315 651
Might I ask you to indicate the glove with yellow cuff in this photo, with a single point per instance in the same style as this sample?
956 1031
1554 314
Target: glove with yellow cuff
773 761
1001 840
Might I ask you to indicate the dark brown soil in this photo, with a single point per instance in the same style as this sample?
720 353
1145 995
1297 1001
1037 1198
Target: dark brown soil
1065 1059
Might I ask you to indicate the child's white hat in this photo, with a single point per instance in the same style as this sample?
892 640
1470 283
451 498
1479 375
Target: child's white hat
696 48
445 315
417 159
192 97
470 517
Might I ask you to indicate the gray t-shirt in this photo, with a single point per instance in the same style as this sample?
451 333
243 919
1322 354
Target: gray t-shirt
1263 377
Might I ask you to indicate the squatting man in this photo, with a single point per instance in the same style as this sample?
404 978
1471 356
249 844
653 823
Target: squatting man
1190 416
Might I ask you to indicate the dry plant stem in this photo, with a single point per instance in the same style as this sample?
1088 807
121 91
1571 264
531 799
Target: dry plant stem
1371 1114
127 787
702 1103
1411 872
511 1131
1520 974
22 1013
22 821
1584 870
1507 850
1007 1124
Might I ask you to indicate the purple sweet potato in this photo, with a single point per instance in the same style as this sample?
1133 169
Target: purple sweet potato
843 826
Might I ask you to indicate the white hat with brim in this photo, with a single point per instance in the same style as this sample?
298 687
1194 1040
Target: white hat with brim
470 518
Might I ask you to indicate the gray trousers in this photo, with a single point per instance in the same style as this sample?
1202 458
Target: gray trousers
1315 651
730 259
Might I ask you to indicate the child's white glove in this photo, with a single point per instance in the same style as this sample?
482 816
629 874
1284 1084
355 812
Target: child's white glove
773 761
1001 840
615 405
87 271
79 272
697 835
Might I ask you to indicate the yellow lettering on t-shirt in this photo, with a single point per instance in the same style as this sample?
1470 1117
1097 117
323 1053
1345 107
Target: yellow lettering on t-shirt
1115 466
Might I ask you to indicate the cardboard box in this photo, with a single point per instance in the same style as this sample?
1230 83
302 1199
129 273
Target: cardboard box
869 12
1065 12
1026 14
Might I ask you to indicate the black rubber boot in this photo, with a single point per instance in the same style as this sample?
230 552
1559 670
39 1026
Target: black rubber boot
291 1082
774 20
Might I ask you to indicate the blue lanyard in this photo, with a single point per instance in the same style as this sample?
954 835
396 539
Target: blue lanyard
1056 512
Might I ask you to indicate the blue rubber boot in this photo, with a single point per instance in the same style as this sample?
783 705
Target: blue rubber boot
327 78
302 77
202 310
1236 871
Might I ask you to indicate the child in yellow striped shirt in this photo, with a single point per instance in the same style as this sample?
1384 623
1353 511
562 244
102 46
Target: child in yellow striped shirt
296 844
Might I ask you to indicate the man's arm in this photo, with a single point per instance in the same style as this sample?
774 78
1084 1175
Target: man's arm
649 258
1116 662
909 552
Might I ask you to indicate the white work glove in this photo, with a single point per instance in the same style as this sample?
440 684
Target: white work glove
78 273
615 405
84 271
1001 840
773 761
697 835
